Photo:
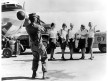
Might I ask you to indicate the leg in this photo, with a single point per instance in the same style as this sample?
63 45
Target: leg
91 54
43 54
52 54
43 61
71 52
35 63
91 45
71 43
63 50
83 53
63 47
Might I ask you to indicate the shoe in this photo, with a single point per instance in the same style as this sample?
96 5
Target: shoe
71 58
33 75
63 58
91 58
82 58
52 58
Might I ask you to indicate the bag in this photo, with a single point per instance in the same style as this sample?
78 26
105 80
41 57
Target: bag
76 43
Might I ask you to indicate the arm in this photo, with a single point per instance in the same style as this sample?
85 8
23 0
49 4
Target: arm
94 28
41 27
85 34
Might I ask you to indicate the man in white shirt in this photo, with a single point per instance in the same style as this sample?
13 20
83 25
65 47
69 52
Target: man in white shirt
71 36
91 33
63 38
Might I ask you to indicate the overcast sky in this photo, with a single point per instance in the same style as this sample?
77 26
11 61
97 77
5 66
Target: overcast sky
63 5
74 11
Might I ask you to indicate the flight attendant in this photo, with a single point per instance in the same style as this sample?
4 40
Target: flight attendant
71 36
52 40
63 38
91 33
82 41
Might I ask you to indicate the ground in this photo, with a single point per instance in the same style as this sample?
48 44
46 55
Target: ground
19 68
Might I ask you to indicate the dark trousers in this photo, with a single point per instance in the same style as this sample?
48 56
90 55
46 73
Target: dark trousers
39 51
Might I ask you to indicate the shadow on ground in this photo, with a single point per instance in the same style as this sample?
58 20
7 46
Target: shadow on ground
95 52
19 77
60 74
62 59
26 53
27 60
54 74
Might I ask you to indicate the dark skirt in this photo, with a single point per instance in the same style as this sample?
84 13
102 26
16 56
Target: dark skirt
52 43
63 45
71 44
90 42
82 43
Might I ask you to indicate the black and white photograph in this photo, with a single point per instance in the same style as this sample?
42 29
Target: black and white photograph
53 40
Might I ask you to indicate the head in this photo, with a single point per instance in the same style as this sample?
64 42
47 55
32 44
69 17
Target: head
64 26
82 27
90 24
71 25
52 25
32 17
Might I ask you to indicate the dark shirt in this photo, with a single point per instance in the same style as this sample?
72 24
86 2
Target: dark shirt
34 32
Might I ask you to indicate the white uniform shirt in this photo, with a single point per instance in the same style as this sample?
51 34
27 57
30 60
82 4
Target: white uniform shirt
91 33
53 33
81 33
71 33
63 33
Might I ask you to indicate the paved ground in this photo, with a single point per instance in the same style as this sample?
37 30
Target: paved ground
19 68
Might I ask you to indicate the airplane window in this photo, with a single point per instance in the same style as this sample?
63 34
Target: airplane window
10 7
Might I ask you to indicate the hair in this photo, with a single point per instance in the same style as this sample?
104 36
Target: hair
63 25
90 24
82 25
52 24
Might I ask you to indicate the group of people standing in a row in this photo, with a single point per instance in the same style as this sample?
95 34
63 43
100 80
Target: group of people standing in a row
83 37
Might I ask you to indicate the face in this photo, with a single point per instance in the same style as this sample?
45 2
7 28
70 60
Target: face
33 19
64 27
71 25
90 24
82 27
53 26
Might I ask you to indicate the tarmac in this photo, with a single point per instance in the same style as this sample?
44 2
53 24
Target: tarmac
19 68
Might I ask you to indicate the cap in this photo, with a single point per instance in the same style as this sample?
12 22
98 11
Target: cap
32 15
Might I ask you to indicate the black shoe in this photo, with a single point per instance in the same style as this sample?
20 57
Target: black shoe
71 58
63 58
33 75
51 58
91 58
82 58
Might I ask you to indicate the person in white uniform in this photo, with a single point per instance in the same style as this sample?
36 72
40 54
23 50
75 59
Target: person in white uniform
71 39
63 39
82 41
52 40
91 33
